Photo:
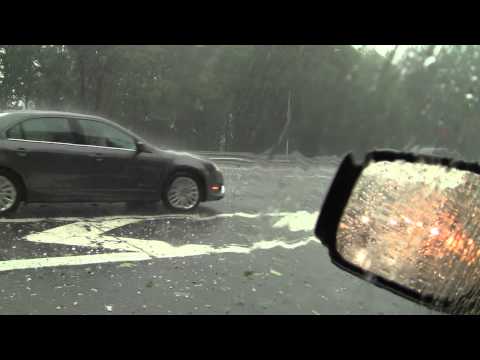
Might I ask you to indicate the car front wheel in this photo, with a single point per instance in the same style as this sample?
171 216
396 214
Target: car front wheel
182 193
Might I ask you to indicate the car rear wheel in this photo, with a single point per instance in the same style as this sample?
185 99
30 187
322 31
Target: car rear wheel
10 193
183 193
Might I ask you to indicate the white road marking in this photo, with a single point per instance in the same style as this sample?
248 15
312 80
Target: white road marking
23 264
298 221
162 249
143 217
85 234
89 233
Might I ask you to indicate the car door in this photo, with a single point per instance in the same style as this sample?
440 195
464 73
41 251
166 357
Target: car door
118 172
46 153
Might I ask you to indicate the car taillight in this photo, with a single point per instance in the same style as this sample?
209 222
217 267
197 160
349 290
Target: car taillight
216 188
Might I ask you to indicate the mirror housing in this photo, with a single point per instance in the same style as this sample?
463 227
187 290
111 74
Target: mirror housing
142 148
408 227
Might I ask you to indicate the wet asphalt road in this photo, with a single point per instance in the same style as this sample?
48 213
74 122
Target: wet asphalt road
251 253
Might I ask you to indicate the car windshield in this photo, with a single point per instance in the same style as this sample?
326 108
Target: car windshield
207 205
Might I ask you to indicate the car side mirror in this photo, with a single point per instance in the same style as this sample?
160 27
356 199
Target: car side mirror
141 148
409 224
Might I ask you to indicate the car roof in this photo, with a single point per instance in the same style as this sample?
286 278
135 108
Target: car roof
11 117
429 148
25 114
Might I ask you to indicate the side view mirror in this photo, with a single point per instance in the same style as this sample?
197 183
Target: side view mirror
409 224
141 148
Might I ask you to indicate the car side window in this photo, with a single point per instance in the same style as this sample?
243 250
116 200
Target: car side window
99 134
15 132
49 130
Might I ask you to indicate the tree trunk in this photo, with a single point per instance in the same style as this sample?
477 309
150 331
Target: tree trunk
81 66
99 90
285 128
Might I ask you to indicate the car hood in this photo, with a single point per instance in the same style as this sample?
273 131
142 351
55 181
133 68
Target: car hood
185 154
181 154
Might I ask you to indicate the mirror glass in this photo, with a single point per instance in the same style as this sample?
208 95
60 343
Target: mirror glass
418 226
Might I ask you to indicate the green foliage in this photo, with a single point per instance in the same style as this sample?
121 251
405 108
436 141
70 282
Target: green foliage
235 97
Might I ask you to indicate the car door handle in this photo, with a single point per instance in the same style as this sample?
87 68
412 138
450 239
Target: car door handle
98 157
22 152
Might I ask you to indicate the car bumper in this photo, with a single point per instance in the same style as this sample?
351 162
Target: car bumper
215 187
213 196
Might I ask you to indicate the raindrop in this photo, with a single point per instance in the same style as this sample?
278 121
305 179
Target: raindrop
429 61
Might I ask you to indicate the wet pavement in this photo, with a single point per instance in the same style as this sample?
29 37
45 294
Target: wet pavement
251 253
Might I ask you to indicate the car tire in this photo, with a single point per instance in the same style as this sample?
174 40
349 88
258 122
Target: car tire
183 192
11 192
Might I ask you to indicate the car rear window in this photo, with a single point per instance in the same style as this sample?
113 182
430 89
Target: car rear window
49 130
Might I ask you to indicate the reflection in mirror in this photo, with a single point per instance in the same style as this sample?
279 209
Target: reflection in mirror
418 226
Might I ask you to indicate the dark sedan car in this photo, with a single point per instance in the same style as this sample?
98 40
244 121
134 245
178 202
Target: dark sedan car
66 157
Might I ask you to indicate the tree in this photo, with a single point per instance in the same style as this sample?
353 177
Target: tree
237 97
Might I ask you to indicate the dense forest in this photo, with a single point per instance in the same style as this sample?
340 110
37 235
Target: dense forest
322 99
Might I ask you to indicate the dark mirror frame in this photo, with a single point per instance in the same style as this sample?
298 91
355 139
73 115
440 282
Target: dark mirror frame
141 147
337 198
